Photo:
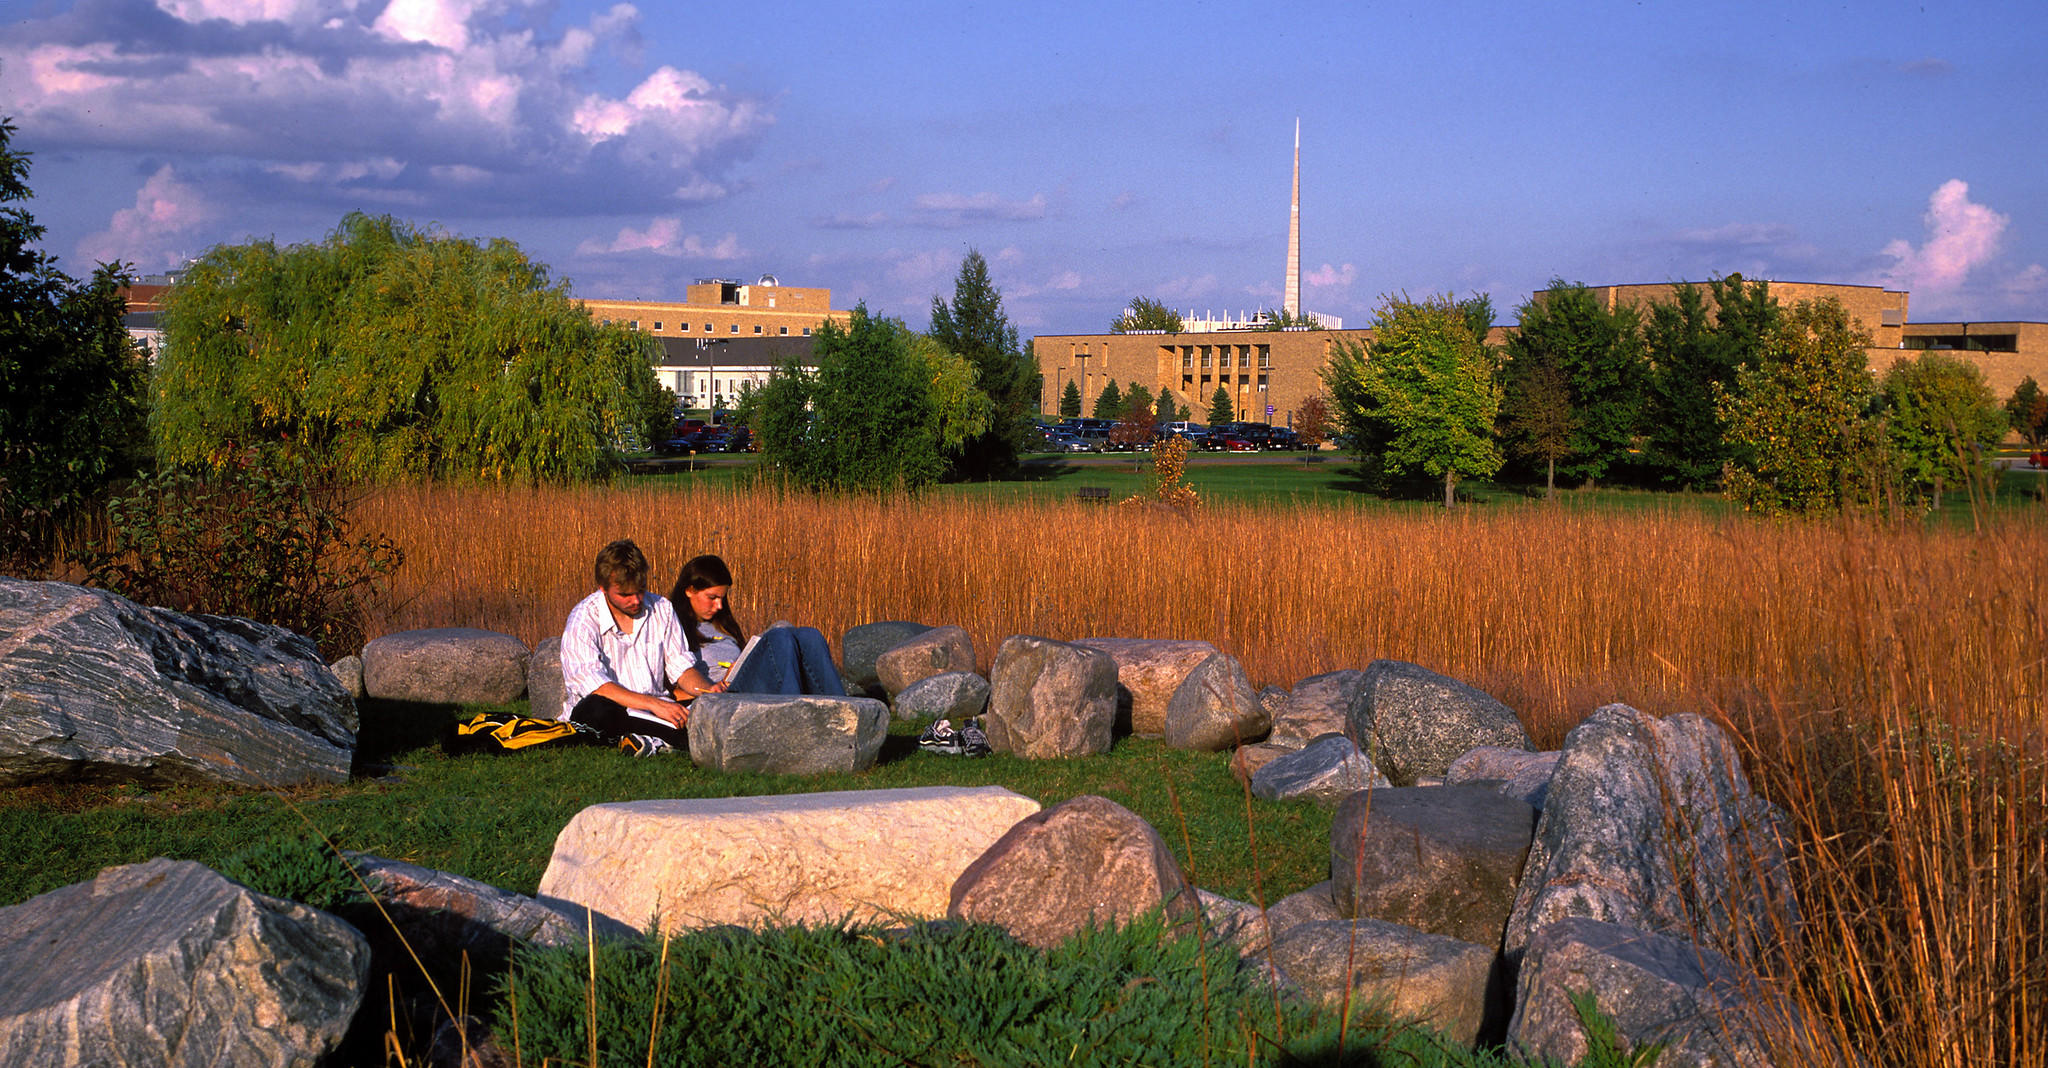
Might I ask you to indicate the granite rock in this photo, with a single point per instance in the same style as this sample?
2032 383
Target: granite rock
446 665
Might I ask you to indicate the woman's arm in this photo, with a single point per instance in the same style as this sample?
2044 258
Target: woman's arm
694 683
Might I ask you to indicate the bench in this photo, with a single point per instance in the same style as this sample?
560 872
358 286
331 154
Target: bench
1099 494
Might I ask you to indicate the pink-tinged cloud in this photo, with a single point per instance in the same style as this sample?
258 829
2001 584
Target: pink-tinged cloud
148 234
1961 236
664 237
949 210
1327 275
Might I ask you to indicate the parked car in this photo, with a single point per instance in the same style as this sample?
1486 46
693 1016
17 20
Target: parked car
1061 441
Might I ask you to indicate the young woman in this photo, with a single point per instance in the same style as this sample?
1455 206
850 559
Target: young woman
786 660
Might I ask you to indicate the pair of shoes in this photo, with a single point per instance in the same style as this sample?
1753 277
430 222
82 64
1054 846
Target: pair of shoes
642 745
973 740
941 738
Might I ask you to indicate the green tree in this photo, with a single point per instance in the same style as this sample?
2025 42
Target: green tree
1109 404
1137 394
70 380
1425 394
1540 419
1799 422
960 410
2027 411
1693 353
1600 354
1943 421
390 352
1220 409
1145 313
1165 411
1070 400
863 422
974 326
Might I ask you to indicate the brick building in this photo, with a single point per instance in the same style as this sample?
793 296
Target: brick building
727 309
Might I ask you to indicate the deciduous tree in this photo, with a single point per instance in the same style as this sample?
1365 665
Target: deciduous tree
1799 422
1426 393
974 326
1312 420
1145 313
1541 420
391 352
864 422
1943 421
1693 351
2027 411
1600 354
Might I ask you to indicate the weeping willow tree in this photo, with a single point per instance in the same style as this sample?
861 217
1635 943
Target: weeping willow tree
387 352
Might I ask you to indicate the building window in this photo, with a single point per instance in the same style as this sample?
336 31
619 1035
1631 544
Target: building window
1265 358
783 330
807 331
757 328
636 324
1187 359
707 328
1205 357
735 328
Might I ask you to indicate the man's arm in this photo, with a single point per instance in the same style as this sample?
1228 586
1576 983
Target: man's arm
584 672
675 715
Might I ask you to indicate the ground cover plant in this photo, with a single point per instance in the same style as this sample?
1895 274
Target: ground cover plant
1886 682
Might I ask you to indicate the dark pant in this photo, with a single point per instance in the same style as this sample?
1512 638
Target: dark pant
612 720
789 660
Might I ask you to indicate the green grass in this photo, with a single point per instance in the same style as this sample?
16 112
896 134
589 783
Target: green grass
495 818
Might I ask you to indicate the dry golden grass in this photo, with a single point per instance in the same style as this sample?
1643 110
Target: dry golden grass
1887 682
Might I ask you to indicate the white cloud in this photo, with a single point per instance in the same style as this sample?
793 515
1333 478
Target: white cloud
950 210
665 237
146 234
1739 234
1961 236
1327 275
459 101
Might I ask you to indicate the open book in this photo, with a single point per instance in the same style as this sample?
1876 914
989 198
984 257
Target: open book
731 671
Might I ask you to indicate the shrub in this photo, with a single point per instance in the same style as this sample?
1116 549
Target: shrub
297 869
260 538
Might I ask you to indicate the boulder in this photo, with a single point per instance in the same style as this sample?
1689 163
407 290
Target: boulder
446 665
1443 859
810 734
349 672
1272 699
1414 722
443 916
1516 773
954 695
1319 705
1084 861
1329 770
94 686
1651 824
545 689
859 647
933 652
1148 670
1317 904
169 963
1049 699
1656 989
1438 982
1248 759
1215 708
1239 923
872 855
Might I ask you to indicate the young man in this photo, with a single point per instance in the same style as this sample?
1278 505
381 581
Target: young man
624 661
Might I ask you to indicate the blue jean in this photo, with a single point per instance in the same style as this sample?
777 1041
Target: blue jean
789 660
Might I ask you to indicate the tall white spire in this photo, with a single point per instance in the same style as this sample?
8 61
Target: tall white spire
1293 299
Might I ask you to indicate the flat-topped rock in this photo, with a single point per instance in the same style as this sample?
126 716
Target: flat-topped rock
545 689
860 645
1148 670
446 665
1326 771
873 855
954 695
1050 699
168 962
1516 773
932 652
1317 705
1441 859
1439 982
99 688
811 734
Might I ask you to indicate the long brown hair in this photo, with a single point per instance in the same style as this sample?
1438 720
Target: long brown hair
702 573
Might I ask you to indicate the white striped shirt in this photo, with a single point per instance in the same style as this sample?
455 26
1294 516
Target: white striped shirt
595 651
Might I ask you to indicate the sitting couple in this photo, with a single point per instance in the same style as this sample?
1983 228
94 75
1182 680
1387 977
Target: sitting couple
631 667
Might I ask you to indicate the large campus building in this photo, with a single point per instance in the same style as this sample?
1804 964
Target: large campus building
724 334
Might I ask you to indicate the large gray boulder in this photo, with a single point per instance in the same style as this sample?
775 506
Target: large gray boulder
1084 861
1516 773
1050 699
952 695
1441 983
1215 708
544 686
1414 722
1148 670
934 652
1651 824
444 917
1318 705
446 665
1240 923
1441 859
1327 771
1317 904
859 647
803 735
95 686
169 963
1703 1008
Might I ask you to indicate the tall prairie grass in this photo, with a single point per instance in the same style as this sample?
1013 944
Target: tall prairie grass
1886 681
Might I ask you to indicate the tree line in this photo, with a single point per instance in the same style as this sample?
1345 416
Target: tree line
1720 387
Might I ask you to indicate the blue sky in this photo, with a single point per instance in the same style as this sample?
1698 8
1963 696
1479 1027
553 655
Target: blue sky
1091 154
